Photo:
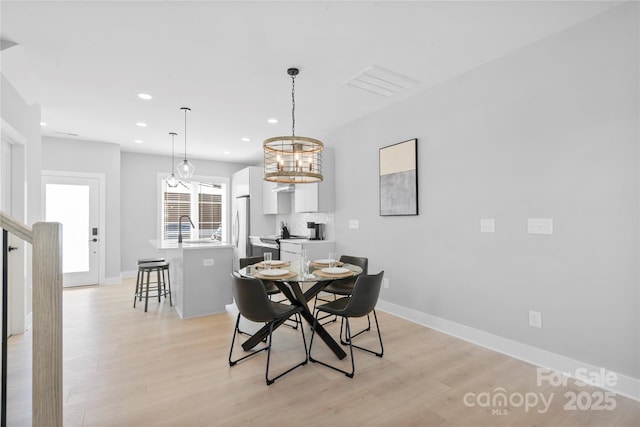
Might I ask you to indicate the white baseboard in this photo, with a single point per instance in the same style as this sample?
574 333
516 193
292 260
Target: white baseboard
128 274
624 386
111 280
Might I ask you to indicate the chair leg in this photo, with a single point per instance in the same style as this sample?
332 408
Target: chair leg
348 332
344 341
349 340
304 362
233 340
379 339
315 301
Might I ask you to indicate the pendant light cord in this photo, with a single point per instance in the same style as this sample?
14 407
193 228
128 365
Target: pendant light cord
173 135
185 134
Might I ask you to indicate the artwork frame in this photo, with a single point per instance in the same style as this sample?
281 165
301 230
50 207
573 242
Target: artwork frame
398 179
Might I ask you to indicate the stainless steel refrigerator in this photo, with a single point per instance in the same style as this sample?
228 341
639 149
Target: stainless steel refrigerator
240 229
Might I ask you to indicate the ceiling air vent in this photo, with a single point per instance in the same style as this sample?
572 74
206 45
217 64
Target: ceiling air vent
381 81
66 133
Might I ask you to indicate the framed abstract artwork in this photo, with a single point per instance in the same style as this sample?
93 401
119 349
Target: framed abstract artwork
399 179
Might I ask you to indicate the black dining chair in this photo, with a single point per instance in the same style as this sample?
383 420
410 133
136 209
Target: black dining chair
254 304
270 286
344 287
362 301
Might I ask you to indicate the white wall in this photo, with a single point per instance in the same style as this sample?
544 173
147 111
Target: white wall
71 155
23 119
139 197
550 131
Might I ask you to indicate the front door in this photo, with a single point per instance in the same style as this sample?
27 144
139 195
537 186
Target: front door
73 201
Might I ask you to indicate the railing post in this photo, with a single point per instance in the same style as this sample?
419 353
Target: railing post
47 324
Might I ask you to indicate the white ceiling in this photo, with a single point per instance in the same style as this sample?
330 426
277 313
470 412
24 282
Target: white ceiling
85 62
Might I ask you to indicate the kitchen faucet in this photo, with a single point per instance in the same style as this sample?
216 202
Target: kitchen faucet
180 226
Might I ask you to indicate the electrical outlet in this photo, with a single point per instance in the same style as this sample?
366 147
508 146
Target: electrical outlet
208 262
488 225
354 223
535 319
540 226
385 283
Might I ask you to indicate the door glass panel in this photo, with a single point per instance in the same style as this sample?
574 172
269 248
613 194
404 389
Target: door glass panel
69 205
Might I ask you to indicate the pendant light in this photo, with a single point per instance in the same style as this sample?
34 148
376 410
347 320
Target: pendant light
172 181
293 159
185 168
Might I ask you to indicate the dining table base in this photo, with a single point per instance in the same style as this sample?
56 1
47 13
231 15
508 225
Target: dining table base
293 292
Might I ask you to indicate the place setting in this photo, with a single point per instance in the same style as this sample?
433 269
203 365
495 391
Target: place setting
269 272
331 268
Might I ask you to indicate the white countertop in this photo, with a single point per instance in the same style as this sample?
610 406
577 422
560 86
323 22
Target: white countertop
162 245
305 241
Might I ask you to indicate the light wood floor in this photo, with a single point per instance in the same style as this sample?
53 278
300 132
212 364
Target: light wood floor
124 367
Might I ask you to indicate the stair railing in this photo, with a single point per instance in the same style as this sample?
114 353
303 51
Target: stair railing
46 242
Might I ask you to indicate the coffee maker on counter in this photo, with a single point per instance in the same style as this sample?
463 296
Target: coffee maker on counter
316 231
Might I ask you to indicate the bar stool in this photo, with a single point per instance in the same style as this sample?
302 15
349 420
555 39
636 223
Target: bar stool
145 261
161 287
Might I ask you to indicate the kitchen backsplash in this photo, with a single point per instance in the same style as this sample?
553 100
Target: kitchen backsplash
297 223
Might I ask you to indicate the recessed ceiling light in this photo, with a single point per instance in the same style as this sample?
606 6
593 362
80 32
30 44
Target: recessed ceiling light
144 96
43 124
142 125
227 152
273 121
138 141
245 139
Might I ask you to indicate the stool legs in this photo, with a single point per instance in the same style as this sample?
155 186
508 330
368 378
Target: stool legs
168 282
146 297
144 284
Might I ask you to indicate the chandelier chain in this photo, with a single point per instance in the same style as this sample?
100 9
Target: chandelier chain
293 105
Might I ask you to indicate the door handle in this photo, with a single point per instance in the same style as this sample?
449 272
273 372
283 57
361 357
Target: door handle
12 248
95 239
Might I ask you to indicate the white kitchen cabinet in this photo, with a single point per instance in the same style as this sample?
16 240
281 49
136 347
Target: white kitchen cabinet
274 202
316 249
241 183
318 196
248 182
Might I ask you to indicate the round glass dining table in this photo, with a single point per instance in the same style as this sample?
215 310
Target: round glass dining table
288 277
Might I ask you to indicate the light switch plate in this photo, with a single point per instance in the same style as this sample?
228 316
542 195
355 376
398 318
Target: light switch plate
535 319
354 223
488 225
208 262
540 226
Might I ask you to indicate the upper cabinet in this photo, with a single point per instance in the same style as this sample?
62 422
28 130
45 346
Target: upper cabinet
275 202
319 196
241 182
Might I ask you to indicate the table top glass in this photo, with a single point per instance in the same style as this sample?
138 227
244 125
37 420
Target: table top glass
292 271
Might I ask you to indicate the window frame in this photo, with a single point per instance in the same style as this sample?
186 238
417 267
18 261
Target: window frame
223 181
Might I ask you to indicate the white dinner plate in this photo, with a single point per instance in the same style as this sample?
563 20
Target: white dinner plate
275 262
321 261
335 270
274 272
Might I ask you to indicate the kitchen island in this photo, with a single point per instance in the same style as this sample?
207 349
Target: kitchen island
200 272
